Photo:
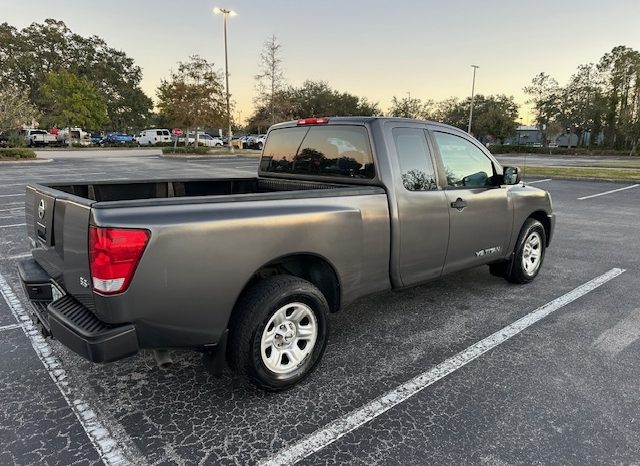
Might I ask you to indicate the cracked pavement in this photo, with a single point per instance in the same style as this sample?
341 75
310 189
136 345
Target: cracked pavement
564 391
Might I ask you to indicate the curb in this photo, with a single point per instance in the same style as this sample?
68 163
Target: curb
21 161
210 156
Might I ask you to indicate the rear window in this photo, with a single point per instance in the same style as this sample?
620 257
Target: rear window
319 151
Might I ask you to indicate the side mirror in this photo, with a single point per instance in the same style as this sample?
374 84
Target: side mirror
511 175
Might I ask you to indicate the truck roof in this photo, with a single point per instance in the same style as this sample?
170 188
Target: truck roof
366 119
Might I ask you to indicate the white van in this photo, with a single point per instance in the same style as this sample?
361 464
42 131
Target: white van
152 136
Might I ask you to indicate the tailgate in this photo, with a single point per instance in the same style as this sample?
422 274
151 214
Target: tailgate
58 224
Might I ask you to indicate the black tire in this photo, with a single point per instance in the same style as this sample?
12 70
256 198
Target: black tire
260 145
252 314
516 272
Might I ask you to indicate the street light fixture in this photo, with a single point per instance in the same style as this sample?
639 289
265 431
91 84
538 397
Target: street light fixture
226 13
473 88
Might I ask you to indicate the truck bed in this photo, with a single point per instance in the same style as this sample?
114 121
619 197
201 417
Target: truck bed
163 189
200 229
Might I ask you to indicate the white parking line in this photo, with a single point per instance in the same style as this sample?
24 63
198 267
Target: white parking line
12 209
539 181
9 327
608 192
108 449
62 174
14 225
16 257
11 195
351 421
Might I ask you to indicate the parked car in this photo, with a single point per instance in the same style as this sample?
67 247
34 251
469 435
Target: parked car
38 137
152 136
253 141
258 141
117 138
78 136
203 138
246 270
96 138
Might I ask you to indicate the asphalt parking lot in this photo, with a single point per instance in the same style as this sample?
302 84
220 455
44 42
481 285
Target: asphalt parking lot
564 390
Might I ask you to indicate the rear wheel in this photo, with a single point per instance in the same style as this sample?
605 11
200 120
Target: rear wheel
278 332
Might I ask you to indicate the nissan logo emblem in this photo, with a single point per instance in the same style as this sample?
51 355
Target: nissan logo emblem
41 209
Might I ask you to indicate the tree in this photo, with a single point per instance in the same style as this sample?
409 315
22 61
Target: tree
621 70
411 107
583 105
70 100
15 109
313 99
545 97
317 99
193 97
30 54
453 112
270 81
494 116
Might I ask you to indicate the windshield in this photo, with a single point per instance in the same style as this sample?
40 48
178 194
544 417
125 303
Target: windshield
334 150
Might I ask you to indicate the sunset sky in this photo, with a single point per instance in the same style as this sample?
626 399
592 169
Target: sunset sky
376 49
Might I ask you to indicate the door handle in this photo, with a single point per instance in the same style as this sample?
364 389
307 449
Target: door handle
459 204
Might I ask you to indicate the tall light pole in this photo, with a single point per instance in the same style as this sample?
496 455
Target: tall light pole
473 89
226 13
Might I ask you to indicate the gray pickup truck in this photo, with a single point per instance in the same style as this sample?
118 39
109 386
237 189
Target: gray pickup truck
247 270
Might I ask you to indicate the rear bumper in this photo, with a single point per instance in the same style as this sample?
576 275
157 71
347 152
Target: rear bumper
71 323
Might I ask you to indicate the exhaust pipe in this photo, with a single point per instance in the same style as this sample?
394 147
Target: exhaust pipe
163 358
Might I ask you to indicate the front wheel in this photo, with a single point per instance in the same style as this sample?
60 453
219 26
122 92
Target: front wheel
529 253
278 332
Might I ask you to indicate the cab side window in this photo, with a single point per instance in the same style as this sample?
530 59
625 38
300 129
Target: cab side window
414 158
465 165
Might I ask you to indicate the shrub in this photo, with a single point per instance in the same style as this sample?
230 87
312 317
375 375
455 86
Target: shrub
16 153
186 150
16 140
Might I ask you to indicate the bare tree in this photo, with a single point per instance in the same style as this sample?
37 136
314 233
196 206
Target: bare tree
15 108
270 81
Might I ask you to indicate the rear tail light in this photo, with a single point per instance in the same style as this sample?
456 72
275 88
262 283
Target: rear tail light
313 121
113 257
